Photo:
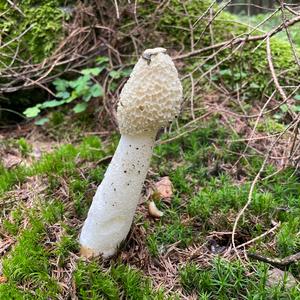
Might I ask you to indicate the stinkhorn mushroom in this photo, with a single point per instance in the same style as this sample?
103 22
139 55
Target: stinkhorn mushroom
149 100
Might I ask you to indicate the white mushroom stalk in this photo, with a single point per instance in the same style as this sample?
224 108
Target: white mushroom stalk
150 99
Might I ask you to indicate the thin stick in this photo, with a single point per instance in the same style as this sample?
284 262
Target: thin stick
212 19
241 212
16 7
192 96
260 236
273 73
234 41
17 37
185 132
117 9
254 128
282 263
203 15
190 26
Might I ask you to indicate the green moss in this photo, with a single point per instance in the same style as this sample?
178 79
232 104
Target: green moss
288 239
67 243
179 179
91 148
215 196
24 147
192 278
174 20
28 262
52 212
193 155
10 177
78 189
44 18
269 125
96 175
133 283
57 118
9 291
61 162
12 226
93 282
230 280
170 229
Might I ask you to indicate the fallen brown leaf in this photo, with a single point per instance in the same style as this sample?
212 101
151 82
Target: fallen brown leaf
3 279
11 160
164 187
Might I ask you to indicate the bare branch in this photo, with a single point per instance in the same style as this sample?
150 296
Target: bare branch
237 40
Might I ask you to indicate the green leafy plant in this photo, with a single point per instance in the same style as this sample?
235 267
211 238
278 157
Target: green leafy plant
84 88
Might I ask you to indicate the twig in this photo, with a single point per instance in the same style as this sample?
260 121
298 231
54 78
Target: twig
192 96
289 35
296 131
254 127
234 41
291 10
259 237
212 19
184 132
271 66
190 26
16 7
117 9
241 212
134 11
203 15
17 37
12 111
277 262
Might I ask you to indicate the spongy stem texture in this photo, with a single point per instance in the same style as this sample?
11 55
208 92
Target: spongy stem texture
114 204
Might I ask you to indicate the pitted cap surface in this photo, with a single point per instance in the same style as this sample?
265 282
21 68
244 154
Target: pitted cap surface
152 96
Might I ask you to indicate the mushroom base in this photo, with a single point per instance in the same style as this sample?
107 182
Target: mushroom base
111 213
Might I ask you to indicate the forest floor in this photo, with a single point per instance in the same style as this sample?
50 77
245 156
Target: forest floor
198 179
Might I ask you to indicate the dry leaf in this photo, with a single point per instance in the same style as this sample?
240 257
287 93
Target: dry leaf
154 211
3 279
164 187
11 160
40 147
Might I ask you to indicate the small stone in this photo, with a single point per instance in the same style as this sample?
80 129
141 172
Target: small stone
278 277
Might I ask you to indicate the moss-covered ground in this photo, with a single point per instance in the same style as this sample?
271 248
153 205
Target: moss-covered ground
186 254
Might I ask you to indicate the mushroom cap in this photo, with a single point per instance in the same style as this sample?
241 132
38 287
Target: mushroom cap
152 96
